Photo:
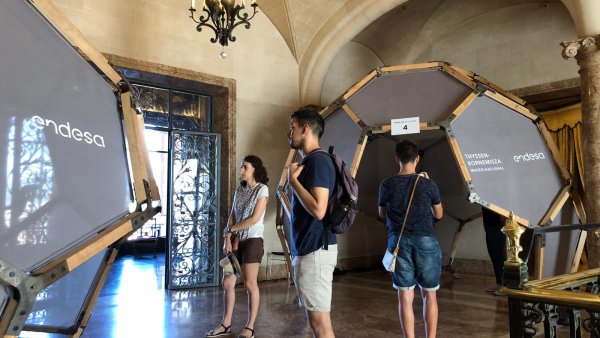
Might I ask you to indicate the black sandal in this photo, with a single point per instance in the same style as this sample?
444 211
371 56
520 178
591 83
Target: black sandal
227 332
249 329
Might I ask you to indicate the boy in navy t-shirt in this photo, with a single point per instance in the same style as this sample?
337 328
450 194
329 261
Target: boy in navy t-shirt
419 260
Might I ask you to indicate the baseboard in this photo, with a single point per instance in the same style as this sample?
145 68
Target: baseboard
473 267
460 265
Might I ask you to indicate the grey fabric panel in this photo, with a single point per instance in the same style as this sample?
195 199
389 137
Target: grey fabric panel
439 163
342 133
378 164
529 180
431 94
58 187
60 304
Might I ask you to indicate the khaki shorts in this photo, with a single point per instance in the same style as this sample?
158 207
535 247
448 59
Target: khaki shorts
313 275
250 250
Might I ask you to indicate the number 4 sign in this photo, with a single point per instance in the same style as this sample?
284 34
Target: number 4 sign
408 125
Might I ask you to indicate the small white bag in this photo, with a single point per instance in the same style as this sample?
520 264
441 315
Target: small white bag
389 259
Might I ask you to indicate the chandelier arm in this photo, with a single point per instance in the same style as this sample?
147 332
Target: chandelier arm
201 18
222 20
203 22
245 16
243 20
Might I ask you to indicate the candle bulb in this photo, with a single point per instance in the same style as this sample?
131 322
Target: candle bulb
193 4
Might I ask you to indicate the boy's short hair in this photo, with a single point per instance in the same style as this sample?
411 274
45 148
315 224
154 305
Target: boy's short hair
406 151
311 118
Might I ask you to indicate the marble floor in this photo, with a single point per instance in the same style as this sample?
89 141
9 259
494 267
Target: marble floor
134 303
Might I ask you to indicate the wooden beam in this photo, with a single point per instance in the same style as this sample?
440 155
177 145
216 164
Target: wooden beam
463 75
360 149
138 153
579 208
459 159
386 128
285 202
92 246
7 315
494 87
578 252
512 105
463 106
288 161
359 84
506 213
89 306
405 68
539 252
353 115
556 206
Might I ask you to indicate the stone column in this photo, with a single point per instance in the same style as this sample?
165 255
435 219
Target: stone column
587 53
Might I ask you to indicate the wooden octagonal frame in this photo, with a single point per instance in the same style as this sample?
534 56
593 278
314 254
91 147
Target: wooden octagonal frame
25 285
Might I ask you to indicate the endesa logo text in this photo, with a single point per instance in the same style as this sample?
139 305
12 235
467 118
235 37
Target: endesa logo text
529 157
65 130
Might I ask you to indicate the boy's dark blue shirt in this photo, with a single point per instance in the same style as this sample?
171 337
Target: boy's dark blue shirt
394 194
307 231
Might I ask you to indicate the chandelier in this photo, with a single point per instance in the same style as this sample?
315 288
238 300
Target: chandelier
221 17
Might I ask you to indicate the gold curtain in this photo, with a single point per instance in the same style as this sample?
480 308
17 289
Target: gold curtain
565 126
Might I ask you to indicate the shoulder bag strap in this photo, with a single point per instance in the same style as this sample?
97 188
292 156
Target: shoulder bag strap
406 216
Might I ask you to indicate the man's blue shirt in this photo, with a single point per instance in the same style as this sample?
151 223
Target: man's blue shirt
307 231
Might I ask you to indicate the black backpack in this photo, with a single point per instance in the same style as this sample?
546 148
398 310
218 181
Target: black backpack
341 207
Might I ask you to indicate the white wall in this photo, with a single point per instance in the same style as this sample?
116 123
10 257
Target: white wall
353 62
514 47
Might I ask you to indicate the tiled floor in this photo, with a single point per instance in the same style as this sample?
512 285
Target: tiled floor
134 303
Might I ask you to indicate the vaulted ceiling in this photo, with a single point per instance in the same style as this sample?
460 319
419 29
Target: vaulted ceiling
298 21
316 30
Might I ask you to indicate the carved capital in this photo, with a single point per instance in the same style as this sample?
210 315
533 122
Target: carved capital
581 46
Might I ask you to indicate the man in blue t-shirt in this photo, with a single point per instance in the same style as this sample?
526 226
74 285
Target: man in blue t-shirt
419 260
312 182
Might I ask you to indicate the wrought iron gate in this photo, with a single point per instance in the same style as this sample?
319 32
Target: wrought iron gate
192 259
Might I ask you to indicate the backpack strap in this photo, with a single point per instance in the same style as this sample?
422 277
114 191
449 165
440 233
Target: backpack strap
326 226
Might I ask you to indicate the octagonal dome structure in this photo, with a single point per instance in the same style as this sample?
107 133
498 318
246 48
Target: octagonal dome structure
459 112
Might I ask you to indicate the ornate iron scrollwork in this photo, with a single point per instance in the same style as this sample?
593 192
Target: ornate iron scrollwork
551 320
194 211
592 324
532 314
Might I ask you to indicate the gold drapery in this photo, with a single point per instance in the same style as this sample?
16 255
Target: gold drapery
565 126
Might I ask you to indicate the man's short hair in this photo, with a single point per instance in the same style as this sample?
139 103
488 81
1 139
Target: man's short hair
406 151
311 118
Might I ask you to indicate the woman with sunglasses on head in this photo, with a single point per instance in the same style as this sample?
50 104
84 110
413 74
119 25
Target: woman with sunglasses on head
244 238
